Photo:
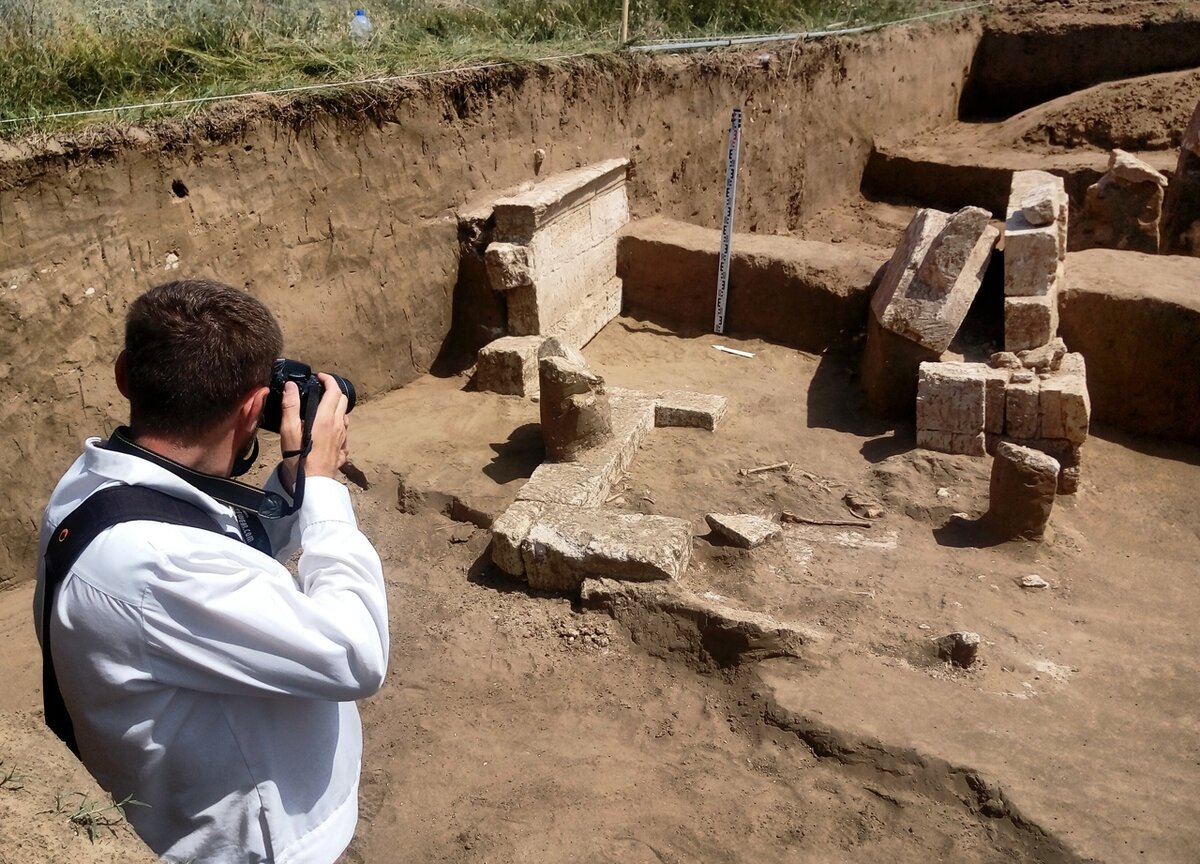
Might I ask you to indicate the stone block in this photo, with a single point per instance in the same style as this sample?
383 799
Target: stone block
1029 322
744 530
951 397
1021 493
556 292
519 216
1065 408
934 275
1124 208
1042 204
1069 457
688 409
580 324
1032 255
1022 410
508 266
509 531
509 365
1129 168
967 444
572 233
574 405
568 545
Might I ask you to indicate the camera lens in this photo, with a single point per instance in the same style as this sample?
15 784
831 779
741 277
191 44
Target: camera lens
347 388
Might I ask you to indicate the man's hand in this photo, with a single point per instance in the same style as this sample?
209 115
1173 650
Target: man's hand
330 436
330 432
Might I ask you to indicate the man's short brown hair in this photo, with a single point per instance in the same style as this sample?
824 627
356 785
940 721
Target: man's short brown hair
193 349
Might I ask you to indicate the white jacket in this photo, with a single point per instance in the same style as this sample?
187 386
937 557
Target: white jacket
202 679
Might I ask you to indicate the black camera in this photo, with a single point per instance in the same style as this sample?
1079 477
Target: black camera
309 385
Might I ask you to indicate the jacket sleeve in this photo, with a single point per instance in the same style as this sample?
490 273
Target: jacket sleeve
225 618
283 533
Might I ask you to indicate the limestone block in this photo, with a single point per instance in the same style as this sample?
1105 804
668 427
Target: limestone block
568 483
951 397
1065 407
1123 209
1032 258
694 410
519 216
574 405
1069 457
934 275
509 531
1127 167
1022 410
509 365
1041 205
1021 494
743 530
581 323
508 266
967 444
581 228
1029 322
569 544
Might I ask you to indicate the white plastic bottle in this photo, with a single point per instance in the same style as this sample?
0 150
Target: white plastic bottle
360 28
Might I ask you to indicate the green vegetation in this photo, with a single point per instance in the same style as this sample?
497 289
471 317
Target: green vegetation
82 54
10 779
90 816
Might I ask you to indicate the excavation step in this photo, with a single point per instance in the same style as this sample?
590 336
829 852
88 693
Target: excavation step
800 293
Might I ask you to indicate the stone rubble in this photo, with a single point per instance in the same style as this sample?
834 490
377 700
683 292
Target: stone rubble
1021 493
743 530
1123 209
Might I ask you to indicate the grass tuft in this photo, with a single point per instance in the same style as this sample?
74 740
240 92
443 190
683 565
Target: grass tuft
82 54
93 817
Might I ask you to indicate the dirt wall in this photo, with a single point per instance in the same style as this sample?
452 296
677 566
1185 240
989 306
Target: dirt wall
341 215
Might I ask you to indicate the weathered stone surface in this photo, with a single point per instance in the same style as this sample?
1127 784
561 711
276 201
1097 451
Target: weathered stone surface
1021 494
1065 407
554 346
744 530
1127 167
1033 581
1029 322
1047 358
520 215
1034 250
951 397
688 409
574 405
567 545
960 648
509 365
588 481
509 531
580 324
508 266
1123 209
967 444
1022 410
681 621
934 275
1004 360
1181 206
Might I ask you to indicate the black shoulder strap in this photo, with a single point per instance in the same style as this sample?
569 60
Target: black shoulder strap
98 513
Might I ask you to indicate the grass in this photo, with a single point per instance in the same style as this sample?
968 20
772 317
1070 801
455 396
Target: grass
10 779
81 54
93 817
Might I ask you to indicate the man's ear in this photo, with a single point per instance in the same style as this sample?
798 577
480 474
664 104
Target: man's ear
121 371
250 409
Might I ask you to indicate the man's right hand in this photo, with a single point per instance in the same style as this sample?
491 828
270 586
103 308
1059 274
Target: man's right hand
330 432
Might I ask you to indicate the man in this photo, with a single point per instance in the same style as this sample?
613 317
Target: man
198 675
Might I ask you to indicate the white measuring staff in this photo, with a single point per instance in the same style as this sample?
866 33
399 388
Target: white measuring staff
731 167
733 351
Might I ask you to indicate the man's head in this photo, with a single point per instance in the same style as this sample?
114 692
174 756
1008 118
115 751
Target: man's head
196 353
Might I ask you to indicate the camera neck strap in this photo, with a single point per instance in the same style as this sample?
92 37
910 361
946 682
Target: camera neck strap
232 493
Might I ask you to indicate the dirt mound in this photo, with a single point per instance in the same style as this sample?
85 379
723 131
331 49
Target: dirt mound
1147 113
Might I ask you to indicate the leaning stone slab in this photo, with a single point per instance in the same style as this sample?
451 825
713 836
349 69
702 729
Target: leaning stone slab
509 366
688 409
1021 494
743 530
934 275
1029 322
567 545
681 620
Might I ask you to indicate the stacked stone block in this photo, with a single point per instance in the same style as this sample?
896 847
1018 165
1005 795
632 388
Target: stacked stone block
970 408
554 253
1123 209
1035 249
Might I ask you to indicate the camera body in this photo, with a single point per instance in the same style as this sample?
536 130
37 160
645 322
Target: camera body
307 383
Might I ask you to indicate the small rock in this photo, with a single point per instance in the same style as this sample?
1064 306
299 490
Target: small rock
960 647
462 533
1021 376
1034 581
862 506
539 157
1004 360
764 60
943 493
1127 167
743 529
1039 205
1046 358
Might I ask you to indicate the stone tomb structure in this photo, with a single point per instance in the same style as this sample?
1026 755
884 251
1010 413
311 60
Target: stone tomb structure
553 257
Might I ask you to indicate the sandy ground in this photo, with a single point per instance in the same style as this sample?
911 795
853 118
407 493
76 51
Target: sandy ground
514 728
